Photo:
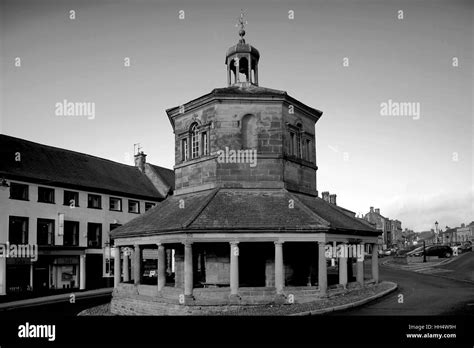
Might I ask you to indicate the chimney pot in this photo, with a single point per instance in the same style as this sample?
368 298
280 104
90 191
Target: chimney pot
377 210
371 209
140 161
332 199
325 195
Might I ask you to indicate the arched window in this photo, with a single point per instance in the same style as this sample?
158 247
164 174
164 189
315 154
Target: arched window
194 140
249 132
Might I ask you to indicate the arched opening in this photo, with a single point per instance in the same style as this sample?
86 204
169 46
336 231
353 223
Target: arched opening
194 140
244 70
249 132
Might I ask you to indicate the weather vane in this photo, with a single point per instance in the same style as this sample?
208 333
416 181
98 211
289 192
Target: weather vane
241 22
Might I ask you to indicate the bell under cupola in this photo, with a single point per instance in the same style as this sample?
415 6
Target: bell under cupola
242 61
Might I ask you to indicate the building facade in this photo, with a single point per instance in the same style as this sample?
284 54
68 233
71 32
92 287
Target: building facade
382 224
396 232
465 233
61 205
245 224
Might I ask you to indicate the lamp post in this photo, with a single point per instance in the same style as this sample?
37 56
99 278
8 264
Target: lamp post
424 253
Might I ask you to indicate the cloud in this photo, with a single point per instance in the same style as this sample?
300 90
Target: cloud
419 212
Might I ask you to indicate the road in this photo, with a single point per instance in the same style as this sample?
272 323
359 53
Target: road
425 294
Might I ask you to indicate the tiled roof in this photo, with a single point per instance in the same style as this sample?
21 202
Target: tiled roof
166 174
243 210
54 166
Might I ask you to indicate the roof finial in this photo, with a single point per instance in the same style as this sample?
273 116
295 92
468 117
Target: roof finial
241 23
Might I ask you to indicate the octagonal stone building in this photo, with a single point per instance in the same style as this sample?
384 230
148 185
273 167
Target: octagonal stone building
245 224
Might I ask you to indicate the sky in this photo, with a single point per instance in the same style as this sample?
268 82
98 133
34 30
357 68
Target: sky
417 168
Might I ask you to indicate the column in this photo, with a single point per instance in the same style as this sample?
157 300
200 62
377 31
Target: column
137 259
375 262
188 269
322 269
3 276
234 268
237 70
249 70
256 73
126 270
117 270
279 272
343 271
31 276
82 272
360 269
229 72
161 266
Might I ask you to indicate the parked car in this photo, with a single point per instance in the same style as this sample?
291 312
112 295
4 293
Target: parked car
439 250
466 246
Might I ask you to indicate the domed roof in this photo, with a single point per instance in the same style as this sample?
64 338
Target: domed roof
242 47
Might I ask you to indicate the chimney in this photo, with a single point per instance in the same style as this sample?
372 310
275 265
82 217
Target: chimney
140 160
325 195
371 209
332 199
377 210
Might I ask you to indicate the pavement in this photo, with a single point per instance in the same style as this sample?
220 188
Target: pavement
61 298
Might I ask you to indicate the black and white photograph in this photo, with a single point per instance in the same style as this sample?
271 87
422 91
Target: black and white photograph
236 172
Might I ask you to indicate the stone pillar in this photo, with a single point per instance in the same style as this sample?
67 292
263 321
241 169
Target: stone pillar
375 262
236 70
234 268
360 269
249 69
137 260
229 73
343 271
256 73
279 271
31 276
82 272
161 266
188 269
126 270
117 270
3 276
322 269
